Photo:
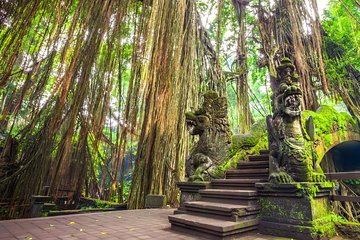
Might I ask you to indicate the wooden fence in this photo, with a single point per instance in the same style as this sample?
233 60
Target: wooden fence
343 176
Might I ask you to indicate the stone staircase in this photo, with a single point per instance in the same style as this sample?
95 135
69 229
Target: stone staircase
229 207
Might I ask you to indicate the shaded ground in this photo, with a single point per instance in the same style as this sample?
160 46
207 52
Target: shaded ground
131 224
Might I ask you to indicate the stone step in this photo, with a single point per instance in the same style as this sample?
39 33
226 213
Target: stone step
253 165
244 184
229 207
213 228
242 197
247 173
219 210
240 193
264 152
254 158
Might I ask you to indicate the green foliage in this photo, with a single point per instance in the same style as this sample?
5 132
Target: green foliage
249 140
104 204
329 124
324 227
4 211
327 120
352 181
127 185
341 226
44 214
43 57
342 50
342 33
259 93
245 144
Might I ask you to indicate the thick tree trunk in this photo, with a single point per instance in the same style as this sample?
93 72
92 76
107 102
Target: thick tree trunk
170 86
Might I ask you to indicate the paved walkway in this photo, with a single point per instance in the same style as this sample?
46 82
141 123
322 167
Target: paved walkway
129 225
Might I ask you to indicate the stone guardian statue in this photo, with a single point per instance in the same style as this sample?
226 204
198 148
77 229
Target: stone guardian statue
292 157
210 123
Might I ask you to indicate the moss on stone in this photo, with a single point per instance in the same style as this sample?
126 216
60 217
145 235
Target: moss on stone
190 114
251 139
324 227
243 145
331 127
211 94
310 190
327 120
268 208
332 224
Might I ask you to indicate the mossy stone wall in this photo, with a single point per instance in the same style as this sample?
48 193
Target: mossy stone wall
331 128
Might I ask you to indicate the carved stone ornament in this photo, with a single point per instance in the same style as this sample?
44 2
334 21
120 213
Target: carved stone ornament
292 157
210 123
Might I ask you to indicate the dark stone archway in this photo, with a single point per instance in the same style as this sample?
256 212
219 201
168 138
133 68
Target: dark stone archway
333 140
344 157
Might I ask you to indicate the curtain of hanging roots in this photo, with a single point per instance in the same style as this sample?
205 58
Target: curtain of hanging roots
79 48
75 98
170 85
285 32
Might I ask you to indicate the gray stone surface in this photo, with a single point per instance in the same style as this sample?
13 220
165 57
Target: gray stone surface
225 211
125 225
190 191
215 227
248 184
155 201
295 210
37 205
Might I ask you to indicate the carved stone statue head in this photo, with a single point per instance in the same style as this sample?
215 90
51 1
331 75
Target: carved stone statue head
291 103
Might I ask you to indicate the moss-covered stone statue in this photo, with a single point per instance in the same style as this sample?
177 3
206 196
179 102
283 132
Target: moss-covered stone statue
292 158
211 124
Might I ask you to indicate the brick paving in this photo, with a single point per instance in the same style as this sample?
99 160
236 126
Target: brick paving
129 225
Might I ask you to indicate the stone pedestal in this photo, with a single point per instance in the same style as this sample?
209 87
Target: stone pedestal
37 204
189 192
155 201
298 210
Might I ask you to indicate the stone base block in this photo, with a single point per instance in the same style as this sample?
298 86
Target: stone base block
155 201
37 204
300 232
298 210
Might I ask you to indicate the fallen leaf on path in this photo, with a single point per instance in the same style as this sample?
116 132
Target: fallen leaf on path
71 223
